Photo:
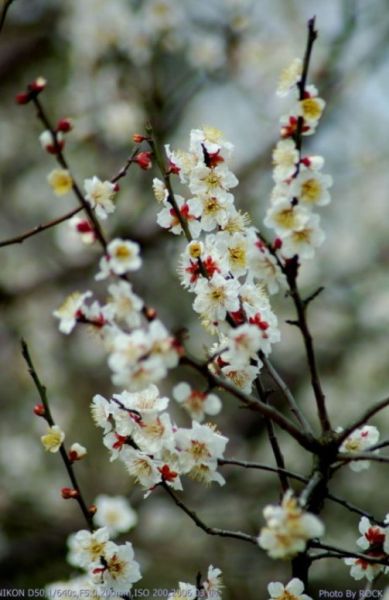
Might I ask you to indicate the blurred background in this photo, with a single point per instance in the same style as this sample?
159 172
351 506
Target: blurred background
182 64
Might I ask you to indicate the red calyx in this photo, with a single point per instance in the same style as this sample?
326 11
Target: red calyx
257 320
214 159
172 168
238 316
23 98
167 474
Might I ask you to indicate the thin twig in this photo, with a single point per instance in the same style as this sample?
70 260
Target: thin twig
39 228
210 530
282 386
341 553
4 12
49 418
252 465
304 439
362 456
363 419
278 456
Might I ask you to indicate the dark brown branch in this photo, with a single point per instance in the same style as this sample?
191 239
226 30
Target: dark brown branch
19 239
341 553
362 456
278 456
3 16
304 439
310 352
252 465
296 476
286 393
363 419
210 530
49 419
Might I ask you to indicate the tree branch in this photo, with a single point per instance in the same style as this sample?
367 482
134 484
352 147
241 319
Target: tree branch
49 419
210 530
363 419
304 439
39 228
4 12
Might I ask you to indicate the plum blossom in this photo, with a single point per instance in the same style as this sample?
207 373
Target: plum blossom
99 194
196 403
292 591
115 513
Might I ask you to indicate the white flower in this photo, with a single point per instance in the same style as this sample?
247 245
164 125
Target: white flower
234 249
159 189
118 570
242 377
213 584
289 77
53 439
146 402
292 591
141 468
99 195
303 241
359 441
121 256
285 217
372 535
311 109
197 403
288 528
77 452
285 159
101 411
126 306
311 188
212 139
243 343
213 210
69 311
361 568
60 181
214 182
186 591
86 547
168 217
114 513
216 296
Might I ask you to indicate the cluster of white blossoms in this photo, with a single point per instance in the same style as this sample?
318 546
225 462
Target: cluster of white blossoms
360 440
225 263
288 528
300 185
139 432
374 542
140 350
209 589
109 566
